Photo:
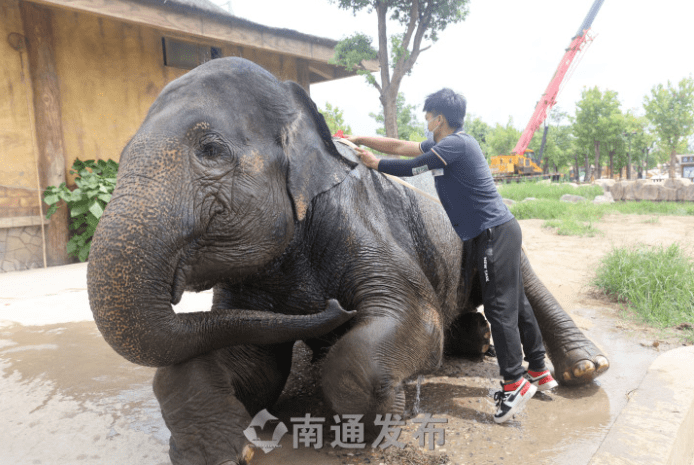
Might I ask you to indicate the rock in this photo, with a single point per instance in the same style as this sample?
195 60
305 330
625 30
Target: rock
606 184
617 191
651 192
637 189
669 194
572 198
528 199
508 202
572 184
675 183
629 193
606 198
688 193
545 182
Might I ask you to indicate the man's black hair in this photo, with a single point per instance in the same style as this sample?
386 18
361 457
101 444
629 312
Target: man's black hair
449 104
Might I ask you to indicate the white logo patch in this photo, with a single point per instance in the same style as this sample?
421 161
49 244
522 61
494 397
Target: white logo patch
419 170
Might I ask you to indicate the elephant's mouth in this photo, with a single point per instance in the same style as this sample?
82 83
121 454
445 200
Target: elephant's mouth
178 285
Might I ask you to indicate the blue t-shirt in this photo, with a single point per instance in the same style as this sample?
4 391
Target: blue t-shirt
463 181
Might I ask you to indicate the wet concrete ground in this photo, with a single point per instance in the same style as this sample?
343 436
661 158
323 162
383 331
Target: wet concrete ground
67 398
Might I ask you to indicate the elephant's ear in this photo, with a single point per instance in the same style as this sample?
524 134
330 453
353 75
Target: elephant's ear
315 165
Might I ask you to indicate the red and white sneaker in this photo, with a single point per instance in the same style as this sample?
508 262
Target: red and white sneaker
542 379
512 398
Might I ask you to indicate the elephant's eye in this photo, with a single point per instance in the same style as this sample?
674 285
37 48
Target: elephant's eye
211 148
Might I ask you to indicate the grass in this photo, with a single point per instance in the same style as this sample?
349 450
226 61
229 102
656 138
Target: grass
655 283
579 219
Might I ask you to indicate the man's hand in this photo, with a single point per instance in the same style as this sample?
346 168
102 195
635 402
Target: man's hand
367 158
356 140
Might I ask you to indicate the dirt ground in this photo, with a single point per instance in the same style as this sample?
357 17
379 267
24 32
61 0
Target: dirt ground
68 398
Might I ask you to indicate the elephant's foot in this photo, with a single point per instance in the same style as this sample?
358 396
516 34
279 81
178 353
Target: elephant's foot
468 335
579 365
244 458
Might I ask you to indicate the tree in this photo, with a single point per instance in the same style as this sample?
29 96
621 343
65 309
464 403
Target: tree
596 120
559 144
671 110
422 21
502 139
334 119
480 131
408 126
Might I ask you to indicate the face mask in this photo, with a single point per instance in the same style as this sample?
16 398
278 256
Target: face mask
430 134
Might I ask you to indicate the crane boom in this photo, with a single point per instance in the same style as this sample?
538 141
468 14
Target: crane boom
549 97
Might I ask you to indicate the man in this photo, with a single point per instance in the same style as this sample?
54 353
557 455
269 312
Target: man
476 211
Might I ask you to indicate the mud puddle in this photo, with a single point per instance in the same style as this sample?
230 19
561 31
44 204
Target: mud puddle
68 398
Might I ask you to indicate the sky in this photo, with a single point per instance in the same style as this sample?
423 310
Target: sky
504 54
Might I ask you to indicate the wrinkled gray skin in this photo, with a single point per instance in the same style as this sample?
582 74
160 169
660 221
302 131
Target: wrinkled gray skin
233 182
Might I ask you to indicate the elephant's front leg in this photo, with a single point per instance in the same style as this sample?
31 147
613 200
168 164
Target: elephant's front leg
364 370
576 359
208 401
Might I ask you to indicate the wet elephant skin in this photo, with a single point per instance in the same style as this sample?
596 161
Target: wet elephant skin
233 182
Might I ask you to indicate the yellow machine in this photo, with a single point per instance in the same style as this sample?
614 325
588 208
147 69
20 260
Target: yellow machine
509 165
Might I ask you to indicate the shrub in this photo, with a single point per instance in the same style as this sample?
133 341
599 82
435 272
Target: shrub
95 183
656 283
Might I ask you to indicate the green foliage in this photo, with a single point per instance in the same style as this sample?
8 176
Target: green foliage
559 145
552 191
95 183
580 219
656 283
351 51
502 139
408 126
597 122
334 119
421 20
480 131
671 110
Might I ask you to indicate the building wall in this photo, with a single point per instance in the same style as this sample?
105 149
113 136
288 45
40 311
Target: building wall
18 174
109 74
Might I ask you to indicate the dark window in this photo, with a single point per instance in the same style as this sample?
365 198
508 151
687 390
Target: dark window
187 55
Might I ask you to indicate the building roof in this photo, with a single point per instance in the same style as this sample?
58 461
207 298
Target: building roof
208 8
204 19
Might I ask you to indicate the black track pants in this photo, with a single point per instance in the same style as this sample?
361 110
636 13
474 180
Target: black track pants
497 252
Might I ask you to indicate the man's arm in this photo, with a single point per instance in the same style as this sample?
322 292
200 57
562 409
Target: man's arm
387 145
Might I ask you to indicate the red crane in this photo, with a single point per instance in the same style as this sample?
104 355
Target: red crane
548 99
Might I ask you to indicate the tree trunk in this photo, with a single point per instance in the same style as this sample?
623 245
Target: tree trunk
611 154
586 176
673 161
390 113
629 166
577 172
597 158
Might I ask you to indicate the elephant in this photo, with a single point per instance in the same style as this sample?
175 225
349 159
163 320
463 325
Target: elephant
233 182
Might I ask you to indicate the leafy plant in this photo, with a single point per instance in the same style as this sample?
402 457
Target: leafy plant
95 183
656 283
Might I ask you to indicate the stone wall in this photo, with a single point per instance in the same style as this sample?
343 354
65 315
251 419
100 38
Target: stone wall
20 248
669 190
21 243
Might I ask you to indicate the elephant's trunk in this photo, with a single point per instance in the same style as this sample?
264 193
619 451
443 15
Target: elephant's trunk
130 279
559 331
